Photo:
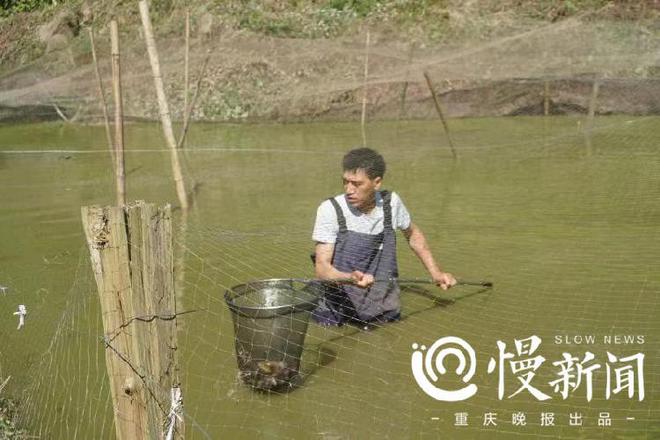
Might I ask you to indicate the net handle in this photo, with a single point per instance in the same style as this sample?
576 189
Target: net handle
480 283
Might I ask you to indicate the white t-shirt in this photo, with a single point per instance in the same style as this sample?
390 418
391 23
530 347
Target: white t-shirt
326 226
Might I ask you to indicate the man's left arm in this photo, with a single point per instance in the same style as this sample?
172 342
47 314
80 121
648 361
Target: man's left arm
419 245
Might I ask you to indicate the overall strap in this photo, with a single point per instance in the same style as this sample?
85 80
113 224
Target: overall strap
387 209
341 220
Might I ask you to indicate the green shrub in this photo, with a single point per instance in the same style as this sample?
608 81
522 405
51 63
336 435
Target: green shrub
8 7
7 428
362 8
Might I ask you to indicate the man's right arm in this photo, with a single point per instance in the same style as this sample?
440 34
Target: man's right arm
326 271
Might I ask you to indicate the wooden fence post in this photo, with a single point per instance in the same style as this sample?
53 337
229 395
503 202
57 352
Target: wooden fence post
131 254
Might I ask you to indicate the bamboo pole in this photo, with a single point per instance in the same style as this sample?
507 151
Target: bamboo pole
186 79
546 97
592 102
591 113
190 109
68 120
75 116
119 116
131 254
404 89
438 109
364 91
60 113
162 103
104 105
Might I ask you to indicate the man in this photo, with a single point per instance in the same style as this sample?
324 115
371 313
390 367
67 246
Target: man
355 235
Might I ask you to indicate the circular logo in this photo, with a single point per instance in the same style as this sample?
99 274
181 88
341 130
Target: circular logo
428 364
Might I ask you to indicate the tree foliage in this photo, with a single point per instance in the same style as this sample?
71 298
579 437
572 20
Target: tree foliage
8 7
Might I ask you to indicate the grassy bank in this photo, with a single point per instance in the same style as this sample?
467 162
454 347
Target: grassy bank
303 59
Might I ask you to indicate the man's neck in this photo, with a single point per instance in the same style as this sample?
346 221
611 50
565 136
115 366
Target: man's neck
367 208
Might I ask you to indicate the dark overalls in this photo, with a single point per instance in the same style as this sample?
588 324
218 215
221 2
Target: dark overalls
372 254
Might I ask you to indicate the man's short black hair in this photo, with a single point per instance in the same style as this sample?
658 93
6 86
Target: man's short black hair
366 159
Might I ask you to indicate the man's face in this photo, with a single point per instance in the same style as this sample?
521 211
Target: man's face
360 189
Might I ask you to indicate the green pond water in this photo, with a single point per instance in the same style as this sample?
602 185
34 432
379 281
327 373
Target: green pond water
568 231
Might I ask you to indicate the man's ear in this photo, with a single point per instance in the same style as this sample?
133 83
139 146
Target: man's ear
378 182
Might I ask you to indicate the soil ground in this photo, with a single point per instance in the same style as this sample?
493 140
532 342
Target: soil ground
286 62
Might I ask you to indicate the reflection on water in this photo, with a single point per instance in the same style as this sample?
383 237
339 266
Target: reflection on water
570 241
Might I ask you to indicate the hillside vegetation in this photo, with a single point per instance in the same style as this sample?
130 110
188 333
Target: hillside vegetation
304 59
